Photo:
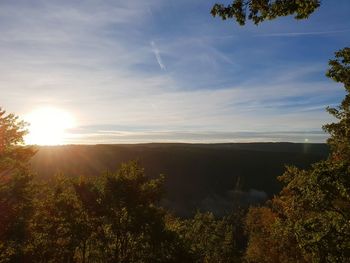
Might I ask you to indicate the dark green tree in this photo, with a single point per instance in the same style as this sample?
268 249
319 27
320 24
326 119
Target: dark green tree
129 225
111 218
60 228
311 215
208 238
340 135
261 10
16 189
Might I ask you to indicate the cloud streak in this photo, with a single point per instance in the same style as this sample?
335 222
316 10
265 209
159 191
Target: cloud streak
157 55
102 137
297 34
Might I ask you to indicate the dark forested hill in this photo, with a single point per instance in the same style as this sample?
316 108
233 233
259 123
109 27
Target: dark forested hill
206 176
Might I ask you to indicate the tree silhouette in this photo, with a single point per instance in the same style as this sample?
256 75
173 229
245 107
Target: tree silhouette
15 188
261 10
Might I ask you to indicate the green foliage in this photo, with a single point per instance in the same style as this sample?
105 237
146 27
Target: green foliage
111 218
261 10
340 135
270 239
130 223
12 156
15 188
312 213
60 226
211 239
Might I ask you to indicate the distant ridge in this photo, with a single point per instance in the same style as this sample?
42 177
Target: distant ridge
194 172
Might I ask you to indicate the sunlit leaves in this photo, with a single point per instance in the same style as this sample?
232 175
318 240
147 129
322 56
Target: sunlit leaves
16 189
261 10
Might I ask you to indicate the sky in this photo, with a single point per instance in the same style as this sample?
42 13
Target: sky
167 71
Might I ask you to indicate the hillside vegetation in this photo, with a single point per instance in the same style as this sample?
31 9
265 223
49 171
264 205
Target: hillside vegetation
205 176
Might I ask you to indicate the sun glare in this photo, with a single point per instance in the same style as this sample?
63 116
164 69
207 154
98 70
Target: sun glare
48 126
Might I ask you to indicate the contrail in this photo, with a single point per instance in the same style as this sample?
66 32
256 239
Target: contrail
157 55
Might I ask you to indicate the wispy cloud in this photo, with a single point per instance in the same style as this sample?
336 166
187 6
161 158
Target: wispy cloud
193 137
297 34
157 55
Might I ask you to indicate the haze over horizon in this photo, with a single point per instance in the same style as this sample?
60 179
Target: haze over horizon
166 71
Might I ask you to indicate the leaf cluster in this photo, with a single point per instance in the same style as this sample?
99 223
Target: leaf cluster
260 10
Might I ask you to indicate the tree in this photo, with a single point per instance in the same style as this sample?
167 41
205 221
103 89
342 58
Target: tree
340 134
15 187
60 228
12 132
209 239
265 245
129 225
312 212
261 10
111 218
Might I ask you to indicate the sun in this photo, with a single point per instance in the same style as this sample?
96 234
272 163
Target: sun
47 126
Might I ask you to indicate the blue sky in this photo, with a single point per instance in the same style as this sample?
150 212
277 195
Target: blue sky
165 70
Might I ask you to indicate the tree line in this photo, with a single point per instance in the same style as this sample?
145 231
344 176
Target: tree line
115 217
